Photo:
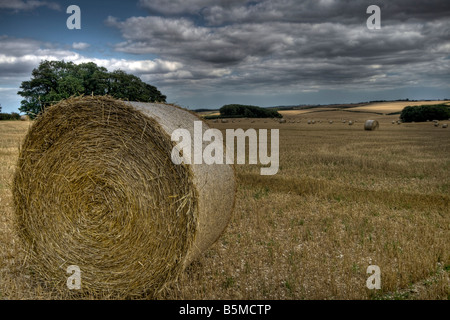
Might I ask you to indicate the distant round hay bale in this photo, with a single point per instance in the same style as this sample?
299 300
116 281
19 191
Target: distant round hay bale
444 125
371 125
224 120
24 118
282 121
330 122
313 121
95 187
393 122
350 123
436 124
215 121
399 121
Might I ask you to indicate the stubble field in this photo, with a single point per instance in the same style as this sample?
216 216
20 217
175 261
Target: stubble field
343 199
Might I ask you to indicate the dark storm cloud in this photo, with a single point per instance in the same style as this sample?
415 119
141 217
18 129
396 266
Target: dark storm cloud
299 44
307 11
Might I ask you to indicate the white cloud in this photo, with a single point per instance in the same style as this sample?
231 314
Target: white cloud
18 5
80 45
18 57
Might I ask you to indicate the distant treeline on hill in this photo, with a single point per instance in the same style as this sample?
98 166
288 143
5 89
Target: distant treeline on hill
9 116
426 112
245 111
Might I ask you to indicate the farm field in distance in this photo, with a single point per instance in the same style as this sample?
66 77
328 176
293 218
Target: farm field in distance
343 199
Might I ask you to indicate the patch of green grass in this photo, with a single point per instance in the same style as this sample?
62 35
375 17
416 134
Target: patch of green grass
264 192
228 282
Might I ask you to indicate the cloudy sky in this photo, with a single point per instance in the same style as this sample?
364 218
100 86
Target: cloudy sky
205 53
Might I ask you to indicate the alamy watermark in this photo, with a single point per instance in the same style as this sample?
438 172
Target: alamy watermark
374 281
374 21
192 150
74 281
74 21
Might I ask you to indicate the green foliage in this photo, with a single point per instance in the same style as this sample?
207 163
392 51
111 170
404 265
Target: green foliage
247 111
424 113
9 116
53 81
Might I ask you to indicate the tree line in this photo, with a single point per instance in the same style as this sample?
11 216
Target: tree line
246 111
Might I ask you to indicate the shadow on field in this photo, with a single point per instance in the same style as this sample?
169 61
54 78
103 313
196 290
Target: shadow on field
333 190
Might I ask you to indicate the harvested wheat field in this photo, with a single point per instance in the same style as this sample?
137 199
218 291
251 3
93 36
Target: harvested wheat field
342 200
394 106
289 113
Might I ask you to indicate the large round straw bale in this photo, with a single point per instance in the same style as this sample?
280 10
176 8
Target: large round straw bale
95 187
371 125
445 125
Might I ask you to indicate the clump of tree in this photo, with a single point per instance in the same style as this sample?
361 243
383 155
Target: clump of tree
247 111
424 113
9 116
53 81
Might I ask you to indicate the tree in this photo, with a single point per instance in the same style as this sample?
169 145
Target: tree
53 81
424 113
246 111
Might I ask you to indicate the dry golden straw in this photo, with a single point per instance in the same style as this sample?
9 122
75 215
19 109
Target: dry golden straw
95 187
371 125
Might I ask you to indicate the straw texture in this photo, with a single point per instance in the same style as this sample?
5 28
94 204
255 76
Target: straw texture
95 187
